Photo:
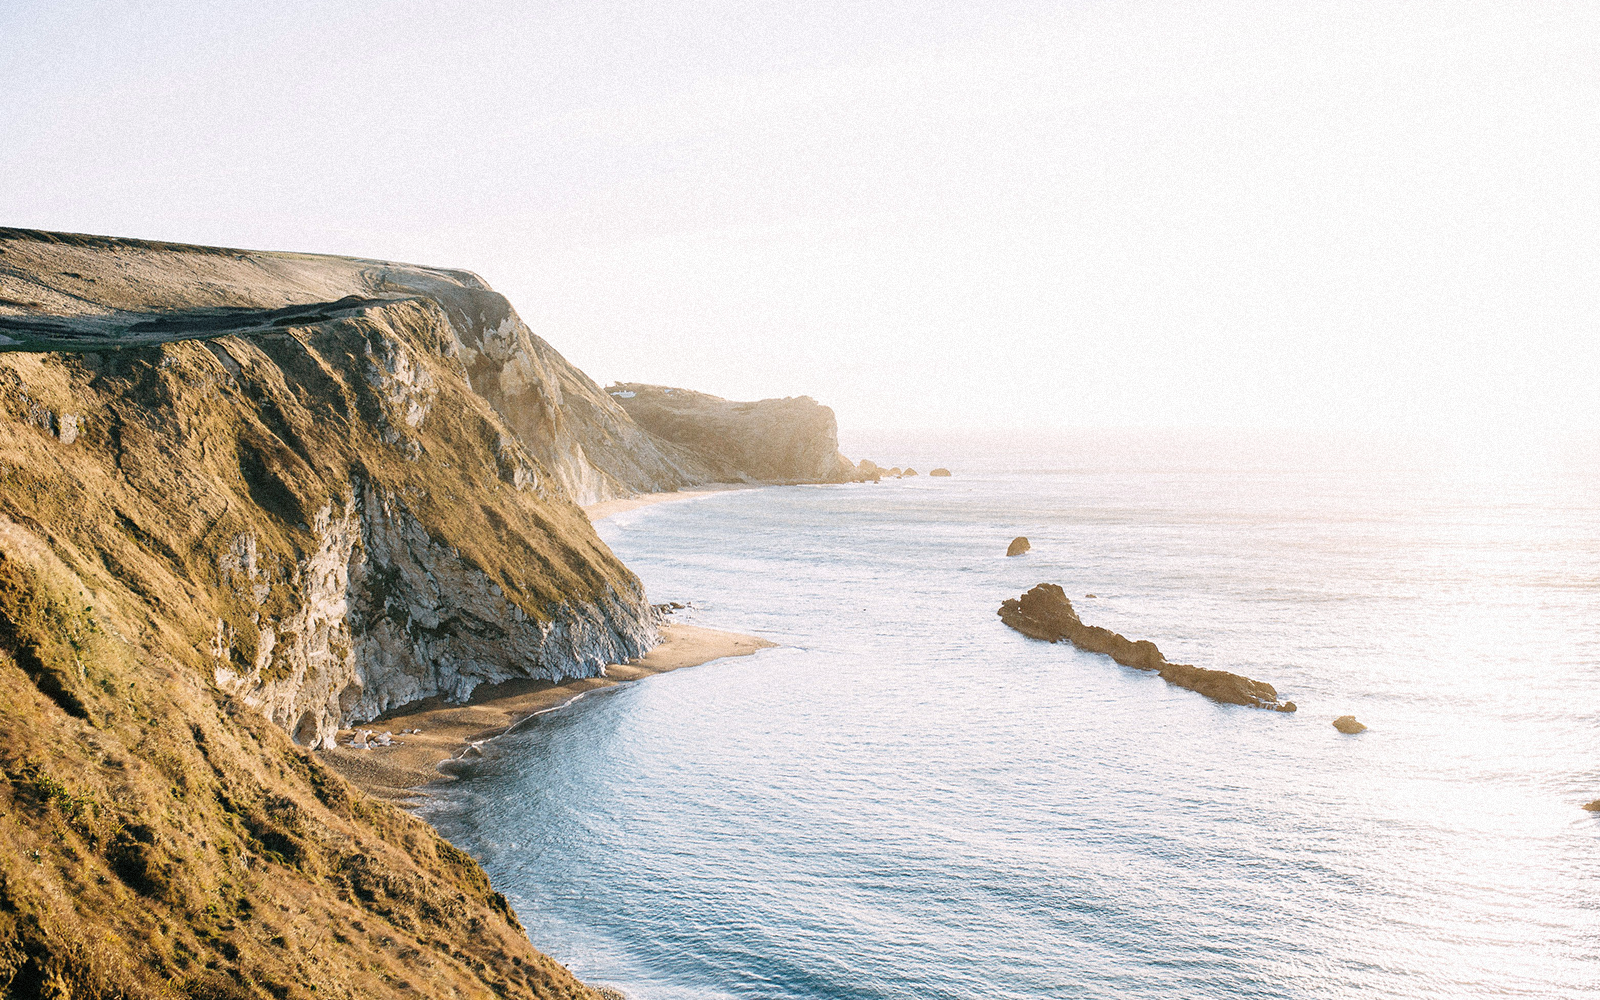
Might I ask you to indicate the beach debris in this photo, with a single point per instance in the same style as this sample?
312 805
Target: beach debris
1018 546
1045 613
1348 725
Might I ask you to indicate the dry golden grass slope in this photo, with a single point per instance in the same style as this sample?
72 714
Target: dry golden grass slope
218 541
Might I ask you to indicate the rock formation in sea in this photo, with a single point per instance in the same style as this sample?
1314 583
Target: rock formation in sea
1018 546
942 473
1045 613
792 440
1348 725
248 498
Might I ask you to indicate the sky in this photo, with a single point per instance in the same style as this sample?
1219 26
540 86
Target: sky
1356 216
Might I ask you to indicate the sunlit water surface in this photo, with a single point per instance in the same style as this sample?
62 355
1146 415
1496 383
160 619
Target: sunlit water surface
907 799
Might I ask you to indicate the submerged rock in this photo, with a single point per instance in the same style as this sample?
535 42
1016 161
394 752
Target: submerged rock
1045 613
1018 546
1348 725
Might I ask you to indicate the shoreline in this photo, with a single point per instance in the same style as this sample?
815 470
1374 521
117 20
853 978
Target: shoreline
609 508
397 773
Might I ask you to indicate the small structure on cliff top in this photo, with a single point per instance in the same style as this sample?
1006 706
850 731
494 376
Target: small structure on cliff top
1045 613
1018 546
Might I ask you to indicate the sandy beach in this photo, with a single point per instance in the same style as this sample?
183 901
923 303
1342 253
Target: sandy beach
396 772
607 508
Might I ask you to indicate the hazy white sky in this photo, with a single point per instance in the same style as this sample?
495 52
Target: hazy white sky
942 215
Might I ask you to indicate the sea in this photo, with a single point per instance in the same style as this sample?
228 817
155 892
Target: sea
906 799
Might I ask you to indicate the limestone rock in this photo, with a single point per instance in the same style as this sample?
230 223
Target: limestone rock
1594 806
349 481
909 473
1018 546
1046 613
1348 725
792 440
942 473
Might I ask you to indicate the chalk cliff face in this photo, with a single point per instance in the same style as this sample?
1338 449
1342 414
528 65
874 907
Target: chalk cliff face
238 487
316 492
773 440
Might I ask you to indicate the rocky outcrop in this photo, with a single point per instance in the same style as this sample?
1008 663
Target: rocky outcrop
1018 546
792 440
1045 613
1348 725
940 473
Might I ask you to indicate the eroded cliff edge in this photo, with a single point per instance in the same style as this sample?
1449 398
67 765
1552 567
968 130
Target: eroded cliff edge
792 440
325 503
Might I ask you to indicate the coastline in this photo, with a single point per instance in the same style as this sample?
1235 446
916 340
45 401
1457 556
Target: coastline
396 773
608 508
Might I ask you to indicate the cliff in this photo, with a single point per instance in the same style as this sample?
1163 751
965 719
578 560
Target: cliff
321 499
246 498
794 440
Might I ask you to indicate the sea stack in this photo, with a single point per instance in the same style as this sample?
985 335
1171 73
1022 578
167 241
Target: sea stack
1045 613
1018 546
1348 725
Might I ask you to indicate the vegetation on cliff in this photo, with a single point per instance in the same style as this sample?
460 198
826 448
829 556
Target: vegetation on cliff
256 496
793 440
164 839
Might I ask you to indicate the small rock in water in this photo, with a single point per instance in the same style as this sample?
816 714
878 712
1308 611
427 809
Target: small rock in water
1594 806
941 473
1019 545
1091 595
1347 724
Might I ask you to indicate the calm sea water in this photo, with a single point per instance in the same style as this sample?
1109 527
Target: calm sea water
909 800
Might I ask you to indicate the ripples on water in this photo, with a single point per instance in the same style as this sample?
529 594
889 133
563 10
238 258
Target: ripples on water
909 800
